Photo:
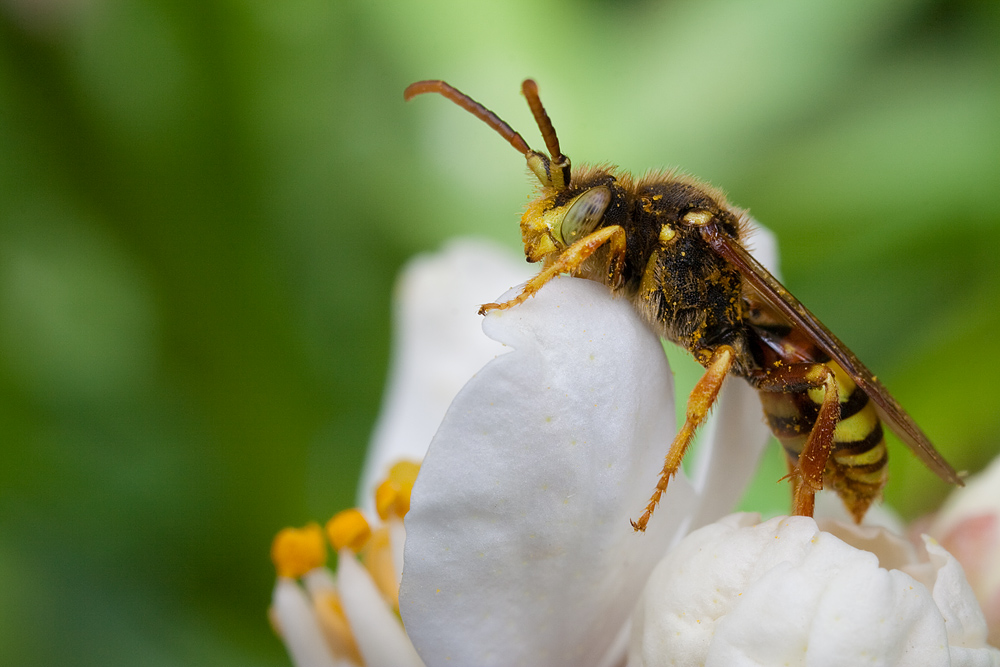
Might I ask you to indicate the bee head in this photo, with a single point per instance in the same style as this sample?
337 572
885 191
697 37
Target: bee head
560 214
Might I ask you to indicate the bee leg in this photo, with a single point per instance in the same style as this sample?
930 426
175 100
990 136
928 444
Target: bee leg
807 476
616 260
699 403
570 260
793 475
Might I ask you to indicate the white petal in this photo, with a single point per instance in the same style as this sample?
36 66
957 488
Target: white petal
319 580
397 538
940 573
380 637
763 245
303 638
518 547
731 445
784 593
829 507
438 345
968 525
954 597
892 550
980 495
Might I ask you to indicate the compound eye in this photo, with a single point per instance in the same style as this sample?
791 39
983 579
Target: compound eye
583 213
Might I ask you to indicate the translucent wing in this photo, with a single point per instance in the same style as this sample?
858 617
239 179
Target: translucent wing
775 294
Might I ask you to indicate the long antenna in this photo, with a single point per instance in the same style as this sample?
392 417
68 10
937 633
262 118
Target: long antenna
530 91
541 165
472 106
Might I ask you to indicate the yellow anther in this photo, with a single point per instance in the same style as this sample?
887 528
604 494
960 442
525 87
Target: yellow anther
404 472
386 496
392 497
336 629
348 529
295 551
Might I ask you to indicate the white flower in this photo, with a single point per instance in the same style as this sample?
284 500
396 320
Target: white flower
968 525
350 617
783 592
519 548
343 618
437 346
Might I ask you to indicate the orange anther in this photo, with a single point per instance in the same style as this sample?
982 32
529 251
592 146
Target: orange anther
295 551
348 529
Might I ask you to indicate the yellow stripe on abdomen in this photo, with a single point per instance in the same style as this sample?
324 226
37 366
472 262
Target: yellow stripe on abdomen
859 447
856 427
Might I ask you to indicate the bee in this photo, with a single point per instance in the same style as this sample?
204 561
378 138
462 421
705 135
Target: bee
677 251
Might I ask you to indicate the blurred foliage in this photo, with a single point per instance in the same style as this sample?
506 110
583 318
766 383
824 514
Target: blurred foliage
203 205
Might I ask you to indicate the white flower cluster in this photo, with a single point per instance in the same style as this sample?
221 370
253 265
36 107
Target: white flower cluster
518 546
968 525
784 592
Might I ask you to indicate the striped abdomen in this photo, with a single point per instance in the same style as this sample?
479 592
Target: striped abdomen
857 465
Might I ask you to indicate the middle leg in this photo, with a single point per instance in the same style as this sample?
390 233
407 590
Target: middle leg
699 403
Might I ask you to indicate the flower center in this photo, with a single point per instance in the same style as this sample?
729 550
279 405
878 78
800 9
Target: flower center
301 553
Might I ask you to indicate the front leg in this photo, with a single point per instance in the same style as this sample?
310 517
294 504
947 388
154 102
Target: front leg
570 260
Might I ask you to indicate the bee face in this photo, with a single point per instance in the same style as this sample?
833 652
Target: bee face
558 217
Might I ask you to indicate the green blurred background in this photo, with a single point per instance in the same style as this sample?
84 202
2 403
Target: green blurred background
203 206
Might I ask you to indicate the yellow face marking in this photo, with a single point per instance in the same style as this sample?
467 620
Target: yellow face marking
544 246
667 234
536 224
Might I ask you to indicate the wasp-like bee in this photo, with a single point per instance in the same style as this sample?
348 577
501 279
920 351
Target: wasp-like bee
675 249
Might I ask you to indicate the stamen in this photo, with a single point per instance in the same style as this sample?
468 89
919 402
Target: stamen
295 551
348 529
392 497
335 626
377 558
